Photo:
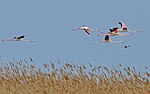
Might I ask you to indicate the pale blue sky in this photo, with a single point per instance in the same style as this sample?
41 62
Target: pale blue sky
50 22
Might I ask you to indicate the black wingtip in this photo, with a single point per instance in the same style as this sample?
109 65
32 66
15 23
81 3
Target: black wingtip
120 23
107 37
88 33
111 30
127 46
22 36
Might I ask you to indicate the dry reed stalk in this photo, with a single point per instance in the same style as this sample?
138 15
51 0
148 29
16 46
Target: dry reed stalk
18 78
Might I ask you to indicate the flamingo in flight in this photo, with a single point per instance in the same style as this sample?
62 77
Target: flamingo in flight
127 46
114 32
86 29
124 28
108 40
19 38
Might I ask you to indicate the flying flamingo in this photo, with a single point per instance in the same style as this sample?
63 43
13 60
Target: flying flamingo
19 38
108 40
114 32
124 28
86 29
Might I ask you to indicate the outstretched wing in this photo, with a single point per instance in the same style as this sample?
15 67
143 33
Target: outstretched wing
28 40
21 36
95 30
18 40
103 34
9 40
115 30
76 29
129 34
138 30
87 31
110 34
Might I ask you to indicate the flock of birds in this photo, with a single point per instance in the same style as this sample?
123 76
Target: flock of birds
116 31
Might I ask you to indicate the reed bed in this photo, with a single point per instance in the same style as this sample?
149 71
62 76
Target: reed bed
20 78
